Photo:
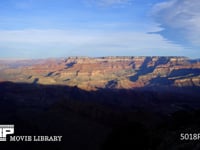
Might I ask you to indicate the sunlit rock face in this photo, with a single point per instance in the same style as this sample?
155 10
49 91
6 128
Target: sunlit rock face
105 72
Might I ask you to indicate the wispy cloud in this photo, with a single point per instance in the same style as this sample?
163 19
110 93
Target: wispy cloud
23 4
179 18
87 42
106 3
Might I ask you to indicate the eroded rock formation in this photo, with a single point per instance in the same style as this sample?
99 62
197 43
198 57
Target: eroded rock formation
107 72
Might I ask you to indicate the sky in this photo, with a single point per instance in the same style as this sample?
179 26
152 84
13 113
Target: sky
95 28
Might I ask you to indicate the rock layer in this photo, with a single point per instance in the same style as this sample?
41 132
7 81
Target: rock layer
107 72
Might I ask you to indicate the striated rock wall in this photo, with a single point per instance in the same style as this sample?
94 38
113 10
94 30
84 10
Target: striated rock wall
109 72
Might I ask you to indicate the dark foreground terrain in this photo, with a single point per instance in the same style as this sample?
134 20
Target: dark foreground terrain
141 119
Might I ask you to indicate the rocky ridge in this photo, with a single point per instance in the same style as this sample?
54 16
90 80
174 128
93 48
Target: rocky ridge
108 72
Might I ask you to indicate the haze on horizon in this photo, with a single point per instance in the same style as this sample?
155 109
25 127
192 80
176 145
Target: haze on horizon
50 28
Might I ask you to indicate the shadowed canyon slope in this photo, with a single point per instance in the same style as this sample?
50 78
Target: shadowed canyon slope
102 103
105 72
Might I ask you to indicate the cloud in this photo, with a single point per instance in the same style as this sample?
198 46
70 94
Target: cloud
54 43
23 4
106 3
179 19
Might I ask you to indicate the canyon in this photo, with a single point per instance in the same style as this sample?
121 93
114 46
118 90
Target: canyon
96 101
105 72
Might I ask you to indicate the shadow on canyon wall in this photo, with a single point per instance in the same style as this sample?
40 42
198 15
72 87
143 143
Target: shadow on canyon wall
99 120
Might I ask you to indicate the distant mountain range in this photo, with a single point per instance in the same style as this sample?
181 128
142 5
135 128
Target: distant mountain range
105 72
